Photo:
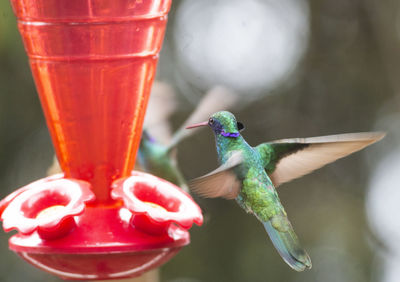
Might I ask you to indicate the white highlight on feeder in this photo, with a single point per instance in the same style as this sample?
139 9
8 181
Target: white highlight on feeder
51 213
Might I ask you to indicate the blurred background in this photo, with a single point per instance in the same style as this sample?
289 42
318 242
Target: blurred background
301 68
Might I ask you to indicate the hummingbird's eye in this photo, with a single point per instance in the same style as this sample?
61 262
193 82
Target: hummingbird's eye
211 121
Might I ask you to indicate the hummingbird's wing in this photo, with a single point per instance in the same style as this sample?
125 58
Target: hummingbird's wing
221 182
216 99
288 159
162 103
54 168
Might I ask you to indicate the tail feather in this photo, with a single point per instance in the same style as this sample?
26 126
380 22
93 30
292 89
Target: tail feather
288 246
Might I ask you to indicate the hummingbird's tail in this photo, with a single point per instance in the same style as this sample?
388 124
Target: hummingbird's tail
287 243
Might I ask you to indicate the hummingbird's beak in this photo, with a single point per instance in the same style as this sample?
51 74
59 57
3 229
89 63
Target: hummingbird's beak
197 125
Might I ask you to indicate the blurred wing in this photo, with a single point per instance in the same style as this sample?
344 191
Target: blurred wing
221 182
54 168
162 104
217 99
288 159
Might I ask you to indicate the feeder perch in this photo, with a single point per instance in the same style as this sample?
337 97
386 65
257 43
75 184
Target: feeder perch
93 63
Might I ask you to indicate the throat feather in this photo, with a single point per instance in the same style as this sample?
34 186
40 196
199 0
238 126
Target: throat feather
229 134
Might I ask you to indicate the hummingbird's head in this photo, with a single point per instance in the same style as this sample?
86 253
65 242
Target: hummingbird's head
223 123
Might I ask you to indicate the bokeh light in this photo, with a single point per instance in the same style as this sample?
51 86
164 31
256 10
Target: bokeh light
250 46
383 198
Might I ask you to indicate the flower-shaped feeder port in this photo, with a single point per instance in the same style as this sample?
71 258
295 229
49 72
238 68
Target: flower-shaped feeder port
93 241
47 207
155 208
7 200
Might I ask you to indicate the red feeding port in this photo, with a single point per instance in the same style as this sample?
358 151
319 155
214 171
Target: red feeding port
48 207
102 242
93 63
155 208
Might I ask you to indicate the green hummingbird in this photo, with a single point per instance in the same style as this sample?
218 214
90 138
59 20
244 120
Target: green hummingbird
160 160
157 154
250 175
158 147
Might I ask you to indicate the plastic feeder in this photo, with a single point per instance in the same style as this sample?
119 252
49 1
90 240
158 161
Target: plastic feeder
93 63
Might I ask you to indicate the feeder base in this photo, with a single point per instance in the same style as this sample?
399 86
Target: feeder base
103 245
99 266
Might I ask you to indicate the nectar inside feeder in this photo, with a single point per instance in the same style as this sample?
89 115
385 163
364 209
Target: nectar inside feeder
93 63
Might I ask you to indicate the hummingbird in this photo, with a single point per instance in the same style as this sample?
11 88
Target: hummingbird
250 175
157 150
160 160
158 146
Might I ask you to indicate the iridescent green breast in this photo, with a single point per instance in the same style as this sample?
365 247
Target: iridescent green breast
257 194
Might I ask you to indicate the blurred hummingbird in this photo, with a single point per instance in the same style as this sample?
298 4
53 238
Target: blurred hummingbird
157 150
251 174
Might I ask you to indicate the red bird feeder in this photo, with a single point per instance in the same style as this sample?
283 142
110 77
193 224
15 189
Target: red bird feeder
93 63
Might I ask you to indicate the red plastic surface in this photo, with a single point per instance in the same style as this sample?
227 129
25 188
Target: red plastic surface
100 266
103 243
93 63
156 207
48 207
101 230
